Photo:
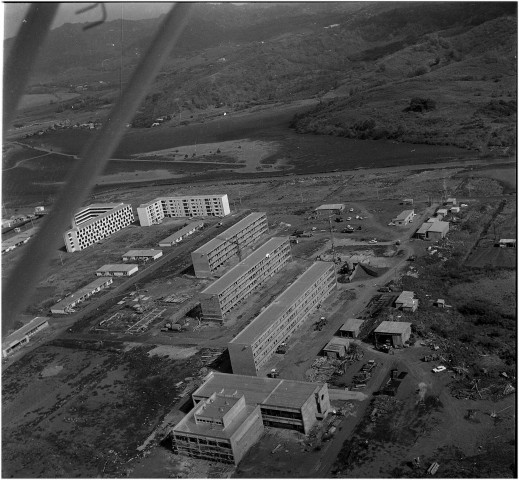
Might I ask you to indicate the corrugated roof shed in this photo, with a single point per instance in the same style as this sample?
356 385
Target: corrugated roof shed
244 266
352 324
393 328
98 282
439 227
183 231
118 267
251 332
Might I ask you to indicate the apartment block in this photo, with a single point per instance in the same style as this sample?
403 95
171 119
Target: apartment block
255 344
288 404
241 280
95 222
210 256
153 212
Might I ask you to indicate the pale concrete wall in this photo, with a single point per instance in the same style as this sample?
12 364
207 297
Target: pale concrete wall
249 432
242 360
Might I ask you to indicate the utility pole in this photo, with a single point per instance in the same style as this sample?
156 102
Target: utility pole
331 236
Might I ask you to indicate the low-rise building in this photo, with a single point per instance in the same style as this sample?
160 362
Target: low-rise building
179 235
454 209
20 337
406 302
330 209
336 348
450 202
437 231
256 343
17 240
442 211
407 201
507 243
288 404
404 218
394 333
351 328
117 270
142 255
219 298
67 305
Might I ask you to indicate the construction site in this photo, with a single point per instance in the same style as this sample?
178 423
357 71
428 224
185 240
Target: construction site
144 344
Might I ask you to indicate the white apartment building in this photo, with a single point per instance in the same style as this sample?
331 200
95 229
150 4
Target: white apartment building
95 222
210 256
255 344
239 282
184 206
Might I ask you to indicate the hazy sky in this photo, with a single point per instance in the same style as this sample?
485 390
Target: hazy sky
14 13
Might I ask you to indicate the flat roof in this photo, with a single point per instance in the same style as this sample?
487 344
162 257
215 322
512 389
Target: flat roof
181 197
405 296
17 335
507 240
99 205
442 210
336 343
112 206
393 327
424 227
19 237
403 215
142 253
439 227
180 233
352 324
259 390
117 267
218 407
331 206
252 331
432 220
244 266
229 233
98 282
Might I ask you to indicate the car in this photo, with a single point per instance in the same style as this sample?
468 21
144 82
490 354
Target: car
351 209
373 241
439 368
349 218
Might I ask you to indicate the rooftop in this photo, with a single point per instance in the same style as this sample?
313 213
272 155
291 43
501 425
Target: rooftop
181 197
19 237
393 327
403 215
259 390
183 231
229 233
405 296
424 227
439 227
331 206
98 282
22 331
142 253
336 343
117 267
217 406
252 331
352 324
244 266
109 206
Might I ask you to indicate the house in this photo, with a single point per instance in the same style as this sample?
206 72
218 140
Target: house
440 303
336 348
404 218
408 201
454 209
507 243
437 231
442 211
20 337
450 202
117 270
406 302
330 209
351 328
394 333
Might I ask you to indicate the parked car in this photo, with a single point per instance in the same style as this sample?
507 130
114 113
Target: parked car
439 368
373 241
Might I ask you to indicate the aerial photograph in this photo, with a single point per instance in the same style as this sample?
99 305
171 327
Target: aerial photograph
259 240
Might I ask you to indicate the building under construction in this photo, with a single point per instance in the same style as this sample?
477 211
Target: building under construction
209 257
254 345
239 282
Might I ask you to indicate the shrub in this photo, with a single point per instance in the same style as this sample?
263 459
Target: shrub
419 104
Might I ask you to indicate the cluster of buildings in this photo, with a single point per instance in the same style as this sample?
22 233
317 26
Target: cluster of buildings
97 221
435 228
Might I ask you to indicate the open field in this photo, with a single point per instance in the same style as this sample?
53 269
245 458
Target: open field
30 101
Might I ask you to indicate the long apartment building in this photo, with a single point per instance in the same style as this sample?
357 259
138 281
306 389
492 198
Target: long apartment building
210 256
153 212
95 222
241 280
254 345
231 411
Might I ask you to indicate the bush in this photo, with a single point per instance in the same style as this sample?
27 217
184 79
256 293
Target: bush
419 104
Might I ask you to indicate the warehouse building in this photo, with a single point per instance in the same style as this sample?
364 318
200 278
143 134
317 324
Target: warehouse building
142 255
221 428
330 209
153 212
209 257
241 280
351 328
95 222
404 218
20 337
394 333
437 231
67 305
254 345
117 270
179 235
406 302
287 404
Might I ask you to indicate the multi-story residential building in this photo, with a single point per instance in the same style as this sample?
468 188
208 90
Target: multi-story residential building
183 206
67 305
254 345
95 222
210 256
241 280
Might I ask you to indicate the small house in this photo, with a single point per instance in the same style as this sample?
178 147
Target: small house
408 201
404 218
437 231
450 202
395 333
351 328
336 348
406 302
440 303
142 255
117 270
442 211
507 243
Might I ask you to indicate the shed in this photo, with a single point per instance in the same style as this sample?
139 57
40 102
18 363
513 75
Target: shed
507 242
336 347
440 303
437 230
442 211
422 231
454 209
330 208
21 336
406 302
397 333
351 328
143 255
